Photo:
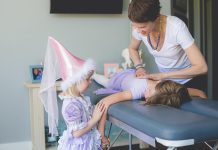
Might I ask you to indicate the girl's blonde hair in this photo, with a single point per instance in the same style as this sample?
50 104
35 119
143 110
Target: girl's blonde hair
71 91
169 93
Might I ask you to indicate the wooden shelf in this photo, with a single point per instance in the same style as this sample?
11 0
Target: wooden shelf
37 117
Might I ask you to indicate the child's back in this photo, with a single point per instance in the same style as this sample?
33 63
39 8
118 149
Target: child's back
125 81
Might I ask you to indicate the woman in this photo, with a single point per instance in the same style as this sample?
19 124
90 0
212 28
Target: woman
168 40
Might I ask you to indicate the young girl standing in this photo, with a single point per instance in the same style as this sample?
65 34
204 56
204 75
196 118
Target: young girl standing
77 111
81 133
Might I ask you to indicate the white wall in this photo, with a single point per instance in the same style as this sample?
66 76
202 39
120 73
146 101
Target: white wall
26 145
24 28
166 7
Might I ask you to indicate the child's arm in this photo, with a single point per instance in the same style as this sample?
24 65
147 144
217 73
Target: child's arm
196 92
117 97
98 111
114 98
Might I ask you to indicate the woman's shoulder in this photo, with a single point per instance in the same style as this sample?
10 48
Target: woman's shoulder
174 21
174 25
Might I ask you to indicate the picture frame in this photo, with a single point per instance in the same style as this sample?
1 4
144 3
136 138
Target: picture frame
110 69
36 73
180 5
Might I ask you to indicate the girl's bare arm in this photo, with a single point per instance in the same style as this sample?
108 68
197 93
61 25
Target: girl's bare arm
196 92
117 97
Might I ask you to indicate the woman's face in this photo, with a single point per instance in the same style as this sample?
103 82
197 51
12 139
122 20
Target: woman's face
143 28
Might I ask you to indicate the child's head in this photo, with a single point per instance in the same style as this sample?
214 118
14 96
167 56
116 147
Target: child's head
61 63
84 83
169 93
80 86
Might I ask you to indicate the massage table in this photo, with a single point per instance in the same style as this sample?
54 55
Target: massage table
196 121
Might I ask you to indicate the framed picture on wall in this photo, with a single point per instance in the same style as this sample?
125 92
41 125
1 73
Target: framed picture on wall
110 69
36 73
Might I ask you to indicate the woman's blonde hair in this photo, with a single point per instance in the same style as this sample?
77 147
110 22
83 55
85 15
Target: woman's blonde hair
169 93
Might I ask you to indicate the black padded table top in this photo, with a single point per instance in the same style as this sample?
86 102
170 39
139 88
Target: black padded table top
166 122
197 119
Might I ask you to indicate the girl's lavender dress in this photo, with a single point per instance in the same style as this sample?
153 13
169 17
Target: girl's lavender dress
77 111
125 81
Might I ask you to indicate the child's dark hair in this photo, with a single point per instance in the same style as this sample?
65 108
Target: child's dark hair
142 11
169 93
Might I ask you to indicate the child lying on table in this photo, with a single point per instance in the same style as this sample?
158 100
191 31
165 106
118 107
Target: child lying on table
125 86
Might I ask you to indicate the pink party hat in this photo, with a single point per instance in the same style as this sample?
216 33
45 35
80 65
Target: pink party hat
60 63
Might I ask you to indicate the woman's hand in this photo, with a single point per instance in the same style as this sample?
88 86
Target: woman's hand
98 111
140 72
154 76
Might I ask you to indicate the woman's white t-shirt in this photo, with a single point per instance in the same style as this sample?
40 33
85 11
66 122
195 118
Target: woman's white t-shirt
171 56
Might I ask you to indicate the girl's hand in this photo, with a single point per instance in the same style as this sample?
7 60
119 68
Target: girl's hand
196 92
203 95
140 72
98 111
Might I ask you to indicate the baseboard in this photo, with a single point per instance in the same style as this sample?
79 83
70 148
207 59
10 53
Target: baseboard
25 145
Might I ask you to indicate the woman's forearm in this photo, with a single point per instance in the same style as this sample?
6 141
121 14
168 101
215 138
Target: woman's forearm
187 73
134 55
198 64
133 51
